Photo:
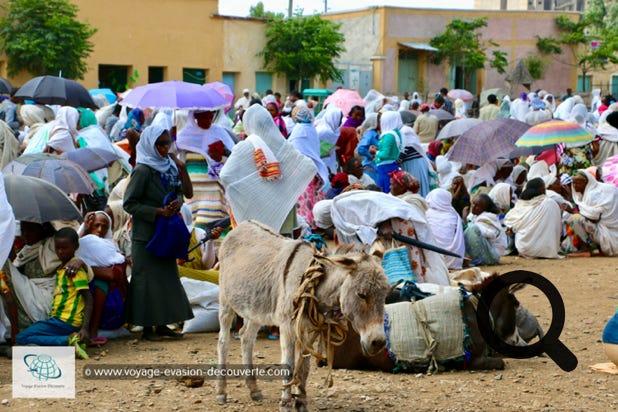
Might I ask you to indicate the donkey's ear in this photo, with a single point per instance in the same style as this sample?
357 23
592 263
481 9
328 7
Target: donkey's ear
344 262
377 249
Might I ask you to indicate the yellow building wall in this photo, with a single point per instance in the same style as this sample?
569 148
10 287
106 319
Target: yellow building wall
141 33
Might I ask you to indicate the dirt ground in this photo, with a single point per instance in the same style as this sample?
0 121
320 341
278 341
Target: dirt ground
588 287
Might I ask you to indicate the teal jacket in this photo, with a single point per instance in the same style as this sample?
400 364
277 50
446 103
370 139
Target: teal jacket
388 148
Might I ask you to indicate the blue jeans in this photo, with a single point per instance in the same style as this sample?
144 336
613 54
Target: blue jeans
50 332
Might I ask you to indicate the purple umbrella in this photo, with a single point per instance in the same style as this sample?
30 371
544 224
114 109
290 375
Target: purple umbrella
224 90
487 141
175 94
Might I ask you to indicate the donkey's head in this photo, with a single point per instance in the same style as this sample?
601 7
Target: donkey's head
362 296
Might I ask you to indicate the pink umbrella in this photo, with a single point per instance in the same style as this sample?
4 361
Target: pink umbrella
460 94
345 99
224 90
610 170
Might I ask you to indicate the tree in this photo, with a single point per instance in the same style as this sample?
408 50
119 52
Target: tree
259 12
591 41
44 37
461 44
303 48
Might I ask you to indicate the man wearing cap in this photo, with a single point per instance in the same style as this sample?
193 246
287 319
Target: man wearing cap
243 102
425 125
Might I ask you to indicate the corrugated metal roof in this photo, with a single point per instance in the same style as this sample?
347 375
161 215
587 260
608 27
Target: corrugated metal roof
418 46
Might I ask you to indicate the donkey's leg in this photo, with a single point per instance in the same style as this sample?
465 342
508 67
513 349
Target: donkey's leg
301 393
247 340
226 315
286 340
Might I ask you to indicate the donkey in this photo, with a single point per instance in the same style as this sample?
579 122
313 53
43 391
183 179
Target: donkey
503 312
260 274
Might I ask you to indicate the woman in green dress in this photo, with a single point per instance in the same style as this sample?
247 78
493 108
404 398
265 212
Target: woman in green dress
156 296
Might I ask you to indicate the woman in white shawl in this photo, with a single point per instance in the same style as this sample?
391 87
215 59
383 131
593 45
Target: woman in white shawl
608 143
7 228
460 109
536 222
328 133
483 177
304 138
596 224
446 174
98 250
203 146
484 235
550 103
57 136
446 226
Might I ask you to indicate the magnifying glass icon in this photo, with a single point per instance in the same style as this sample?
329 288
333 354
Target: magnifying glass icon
549 344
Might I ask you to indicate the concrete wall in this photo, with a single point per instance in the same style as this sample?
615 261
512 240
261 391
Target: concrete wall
514 32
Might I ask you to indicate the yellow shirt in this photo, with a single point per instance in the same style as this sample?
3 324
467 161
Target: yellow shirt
67 303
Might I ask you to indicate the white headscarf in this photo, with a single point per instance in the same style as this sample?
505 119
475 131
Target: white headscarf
416 98
390 121
600 202
147 153
370 123
564 109
304 138
446 174
501 195
446 226
404 105
460 109
63 130
551 106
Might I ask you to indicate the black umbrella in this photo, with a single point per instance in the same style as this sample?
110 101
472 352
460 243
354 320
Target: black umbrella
5 86
56 90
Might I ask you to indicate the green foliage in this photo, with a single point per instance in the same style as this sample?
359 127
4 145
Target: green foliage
44 37
259 12
461 45
597 24
303 47
536 66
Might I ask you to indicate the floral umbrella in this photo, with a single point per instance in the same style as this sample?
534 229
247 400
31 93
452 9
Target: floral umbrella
345 99
610 170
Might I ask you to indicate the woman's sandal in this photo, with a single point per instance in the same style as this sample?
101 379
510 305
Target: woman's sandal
97 341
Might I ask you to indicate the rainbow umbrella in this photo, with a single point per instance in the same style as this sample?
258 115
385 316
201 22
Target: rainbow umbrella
555 132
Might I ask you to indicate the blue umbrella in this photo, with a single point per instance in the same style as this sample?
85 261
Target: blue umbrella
107 93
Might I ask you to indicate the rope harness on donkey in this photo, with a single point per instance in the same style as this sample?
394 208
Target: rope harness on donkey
328 328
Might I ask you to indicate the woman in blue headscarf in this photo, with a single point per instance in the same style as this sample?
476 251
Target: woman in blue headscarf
156 296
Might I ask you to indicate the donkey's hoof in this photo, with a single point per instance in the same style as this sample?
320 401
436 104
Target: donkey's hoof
221 399
257 396
301 405
286 405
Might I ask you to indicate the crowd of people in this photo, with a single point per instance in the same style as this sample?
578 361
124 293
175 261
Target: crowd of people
302 171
